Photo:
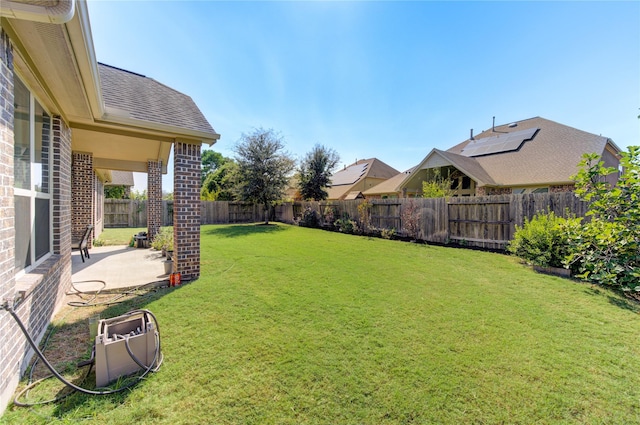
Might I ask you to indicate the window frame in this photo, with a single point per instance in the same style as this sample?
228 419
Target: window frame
32 193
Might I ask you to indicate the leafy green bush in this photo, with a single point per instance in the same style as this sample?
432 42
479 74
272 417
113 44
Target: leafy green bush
387 233
329 215
606 250
346 225
310 218
164 239
542 241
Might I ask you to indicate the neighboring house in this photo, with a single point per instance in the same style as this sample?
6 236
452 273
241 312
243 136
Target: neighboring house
529 156
65 123
388 188
350 182
121 178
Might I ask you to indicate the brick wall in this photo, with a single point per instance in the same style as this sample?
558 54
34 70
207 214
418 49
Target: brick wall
45 286
186 209
154 194
62 188
485 191
82 181
562 188
8 360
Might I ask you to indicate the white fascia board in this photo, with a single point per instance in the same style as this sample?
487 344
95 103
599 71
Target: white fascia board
204 137
81 39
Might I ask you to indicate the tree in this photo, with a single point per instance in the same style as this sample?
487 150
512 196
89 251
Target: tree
315 172
436 185
114 192
211 161
139 195
263 168
218 185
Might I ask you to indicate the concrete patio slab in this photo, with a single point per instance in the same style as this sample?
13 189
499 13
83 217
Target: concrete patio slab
119 267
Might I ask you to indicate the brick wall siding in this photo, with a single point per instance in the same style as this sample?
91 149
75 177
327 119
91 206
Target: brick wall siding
45 286
8 360
186 209
485 191
154 195
562 188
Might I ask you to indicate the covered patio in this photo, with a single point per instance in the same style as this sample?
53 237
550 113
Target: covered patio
66 123
118 268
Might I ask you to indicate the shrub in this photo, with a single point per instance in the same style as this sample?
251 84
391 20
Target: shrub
542 241
164 239
346 225
387 233
410 216
329 215
606 249
364 212
310 218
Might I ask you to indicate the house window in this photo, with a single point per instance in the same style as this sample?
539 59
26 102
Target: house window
32 167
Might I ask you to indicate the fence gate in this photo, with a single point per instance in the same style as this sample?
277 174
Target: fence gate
483 223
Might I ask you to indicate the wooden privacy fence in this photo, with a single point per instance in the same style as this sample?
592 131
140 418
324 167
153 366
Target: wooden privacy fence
133 213
481 221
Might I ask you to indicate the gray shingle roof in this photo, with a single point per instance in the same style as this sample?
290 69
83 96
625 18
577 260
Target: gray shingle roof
552 156
355 173
145 99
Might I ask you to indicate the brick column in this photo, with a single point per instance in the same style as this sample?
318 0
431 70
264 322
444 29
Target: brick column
62 187
186 209
154 201
82 194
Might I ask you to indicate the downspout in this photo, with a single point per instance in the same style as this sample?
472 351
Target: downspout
61 12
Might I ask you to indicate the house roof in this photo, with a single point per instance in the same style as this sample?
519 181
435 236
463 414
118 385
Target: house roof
390 185
139 97
123 119
344 180
534 151
550 157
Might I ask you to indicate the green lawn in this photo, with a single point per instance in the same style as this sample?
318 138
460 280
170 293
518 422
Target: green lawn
118 236
290 325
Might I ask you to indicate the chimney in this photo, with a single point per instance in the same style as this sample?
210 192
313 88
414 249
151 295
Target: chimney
471 138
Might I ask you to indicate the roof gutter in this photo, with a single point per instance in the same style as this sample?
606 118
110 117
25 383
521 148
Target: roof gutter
204 137
81 40
60 13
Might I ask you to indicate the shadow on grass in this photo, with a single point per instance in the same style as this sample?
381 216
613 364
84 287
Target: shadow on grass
238 230
615 297
624 303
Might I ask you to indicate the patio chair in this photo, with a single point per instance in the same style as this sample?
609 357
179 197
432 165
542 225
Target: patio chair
83 244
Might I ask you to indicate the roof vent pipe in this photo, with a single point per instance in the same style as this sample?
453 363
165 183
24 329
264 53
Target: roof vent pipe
493 126
471 138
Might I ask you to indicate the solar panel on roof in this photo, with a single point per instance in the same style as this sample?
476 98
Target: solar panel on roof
503 142
350 175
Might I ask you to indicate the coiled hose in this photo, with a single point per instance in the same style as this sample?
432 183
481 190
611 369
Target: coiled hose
153 367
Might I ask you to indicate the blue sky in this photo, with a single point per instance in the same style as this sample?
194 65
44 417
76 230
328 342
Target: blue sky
390 80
